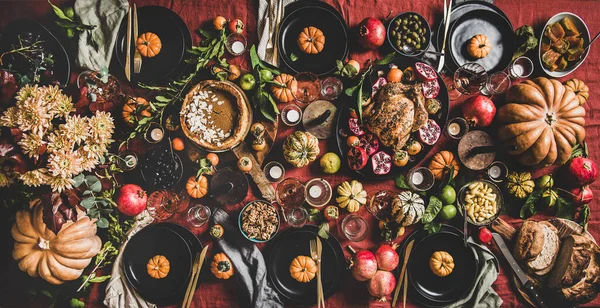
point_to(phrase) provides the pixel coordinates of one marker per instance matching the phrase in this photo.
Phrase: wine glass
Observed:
(308, 90)
(470, 78)
(162, 204)
(290, 194)
(453, 93)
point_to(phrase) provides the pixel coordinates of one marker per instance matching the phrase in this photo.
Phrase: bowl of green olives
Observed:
(409, 34)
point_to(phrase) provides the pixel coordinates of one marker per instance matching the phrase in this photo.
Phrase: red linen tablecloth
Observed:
(352, 294)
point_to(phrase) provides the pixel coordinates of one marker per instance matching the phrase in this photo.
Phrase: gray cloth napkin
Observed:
(249, 263)
(119, 294)
(263, 26)
(106, 15)
(482, 295)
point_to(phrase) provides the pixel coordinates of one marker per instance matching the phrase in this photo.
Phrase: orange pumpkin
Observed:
(158, 267)
(197, 187)
(579, 88)
(303, 269)
(442, 163)
(135, 109)
(284, 93)
(148, 44)
(221, 266)
(479, 46)
(311, 40)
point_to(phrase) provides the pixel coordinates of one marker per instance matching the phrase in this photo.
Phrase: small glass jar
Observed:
(521, 67)
(420, 179)
(198, 215)
(291, 115)
(331, 88)
(297, 217)
(355, 228)
(274, 171)
(318, 192)
(236, 44)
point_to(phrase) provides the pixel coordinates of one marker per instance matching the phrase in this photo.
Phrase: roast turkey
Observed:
(397, 110)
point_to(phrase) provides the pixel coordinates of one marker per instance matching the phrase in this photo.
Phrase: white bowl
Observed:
(586, 37)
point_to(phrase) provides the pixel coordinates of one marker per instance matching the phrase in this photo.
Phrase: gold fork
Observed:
(137, 57)
(315, 256)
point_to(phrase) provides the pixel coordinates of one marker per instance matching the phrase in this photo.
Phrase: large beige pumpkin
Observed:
(54, 257)
(543, 120)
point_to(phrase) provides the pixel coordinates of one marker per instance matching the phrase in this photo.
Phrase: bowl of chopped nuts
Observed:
(259, 221)
(482, 202)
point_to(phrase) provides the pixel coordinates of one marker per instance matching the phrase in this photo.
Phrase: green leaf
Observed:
(102, 160)
(76, 303)
(162, 99)
(432, 210)
(207, 35)
(66, 24)
(293, 57)
(88, 202)
(46, 293)
(585, 216)
(96, 187)
(586, 152)
(254, 59)
(58, 12)
(339, 64)
(387, 59)
(79, 179)
(99, 279)
(102, 223)
(324, 230)
(359, 102)
(432, 227)
(400, 182)
(350, 91)
(528, 208)
(564, 209)
(87, 192)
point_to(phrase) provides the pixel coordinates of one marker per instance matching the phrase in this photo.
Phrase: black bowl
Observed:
(417, 52)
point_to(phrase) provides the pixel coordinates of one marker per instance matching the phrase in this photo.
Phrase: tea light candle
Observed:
(275, 172)
(495, 171)
(315, 191)
(454, 129)
(292, 116)
(156, 134)
(518, 70)
(237, 47)
(417, 178)
(130, 161)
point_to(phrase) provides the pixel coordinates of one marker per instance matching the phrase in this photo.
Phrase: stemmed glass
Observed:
(308, 90)
(468, 79)
(497, 83)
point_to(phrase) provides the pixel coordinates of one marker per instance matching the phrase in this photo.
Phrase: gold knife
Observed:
(195, 282)
(319, 278)
(128, 48)
(400, 279)
(137, 57)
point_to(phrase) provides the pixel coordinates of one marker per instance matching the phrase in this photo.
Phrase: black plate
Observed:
(159, 239)
(344, 114)
(442, 289)
(292, 243)
(458, 11)
(175, 38)
(62, 65)
(327, 19)
(498, 30)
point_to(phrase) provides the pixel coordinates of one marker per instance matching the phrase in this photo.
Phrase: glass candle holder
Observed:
(521, 67)
(318, 192)
(420, 179)
(497, 171)
(457, 128)
(291, 115)
(236, 44)
(155, 133)
(274, 171)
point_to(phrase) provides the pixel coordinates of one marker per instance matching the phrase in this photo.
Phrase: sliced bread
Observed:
(544, 262)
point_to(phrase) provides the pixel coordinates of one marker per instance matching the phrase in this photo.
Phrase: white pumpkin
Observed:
(408, 208)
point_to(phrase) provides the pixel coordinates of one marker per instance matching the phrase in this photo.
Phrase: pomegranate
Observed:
(8, 86)
(369, 142)
(371, 33)
(479, 111)
(387, 257)
(581, 195)
(355, 127)
(363, 264)
(381, 163)
(131, 200)
(430, 132)
(581, 171)
(357, 158)
(485, 235)
(381, 285)
(431, 88)
(236, 26)
(425, 72)
(379, 83)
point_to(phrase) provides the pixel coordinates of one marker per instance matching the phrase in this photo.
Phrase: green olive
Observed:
(418, 46)
(404, 21)
(397, 21)
(408, 40)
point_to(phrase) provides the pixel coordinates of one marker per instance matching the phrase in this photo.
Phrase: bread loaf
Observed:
(537, 246)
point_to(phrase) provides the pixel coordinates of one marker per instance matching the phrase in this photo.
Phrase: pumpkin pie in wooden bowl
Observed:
(216, 115)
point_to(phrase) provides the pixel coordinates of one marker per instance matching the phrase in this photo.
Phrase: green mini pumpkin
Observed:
(301, 148)
(407, 208)
(520, 184)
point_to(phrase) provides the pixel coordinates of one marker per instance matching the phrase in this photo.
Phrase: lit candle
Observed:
(237, 47)
(495, 171)
(454, 129)
(156, 134)
(315, 191)
(417, 178)
(518, 70)
(275, 172)
(292, 116)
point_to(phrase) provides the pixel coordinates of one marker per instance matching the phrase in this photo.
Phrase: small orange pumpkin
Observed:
(284, 93)
(197, 187)
(148, 44)
(579, 88)
(311, 40)
(158, 267)
(441, 263)
(442, 163)
(135, 109)
(303, 269)
(221, 266)
(479, 46)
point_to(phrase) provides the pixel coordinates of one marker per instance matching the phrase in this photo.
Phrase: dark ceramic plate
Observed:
(292, 243)
(9, 36)
(442, 289)
(344, 115)
(493, 25)
(175, 38)
(161, 239)
(327, 19)
(458, 11)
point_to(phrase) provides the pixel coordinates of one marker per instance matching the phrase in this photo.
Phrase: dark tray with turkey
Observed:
(403, 119)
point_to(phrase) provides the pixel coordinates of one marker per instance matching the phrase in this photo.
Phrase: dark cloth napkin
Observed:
(249, 263)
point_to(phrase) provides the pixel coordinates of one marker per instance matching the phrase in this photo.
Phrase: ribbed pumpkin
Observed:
(301, 148)
(543, 120)
(442, 163)
(407, 208)
(580, 89)
(158, 267)
(284, 93)
(303, 269)
(135, 109)
(311, 40)
(520, 184)
(56, 258)
(441, 263)
(351, 195)
(148, 44)
(197, 187)
(221, 266)
(479, 46)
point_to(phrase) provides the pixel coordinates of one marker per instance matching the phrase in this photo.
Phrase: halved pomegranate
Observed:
(357, 158)
(430, 132)
(425, 72)
(431, 88)
(355, 127)
(381, 162)
(369, 142)
(379, 83)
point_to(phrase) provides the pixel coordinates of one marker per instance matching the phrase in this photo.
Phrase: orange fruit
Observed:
(213, 158)
(352, 141)
(178, 144)
(394, 75)
(219, 22)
